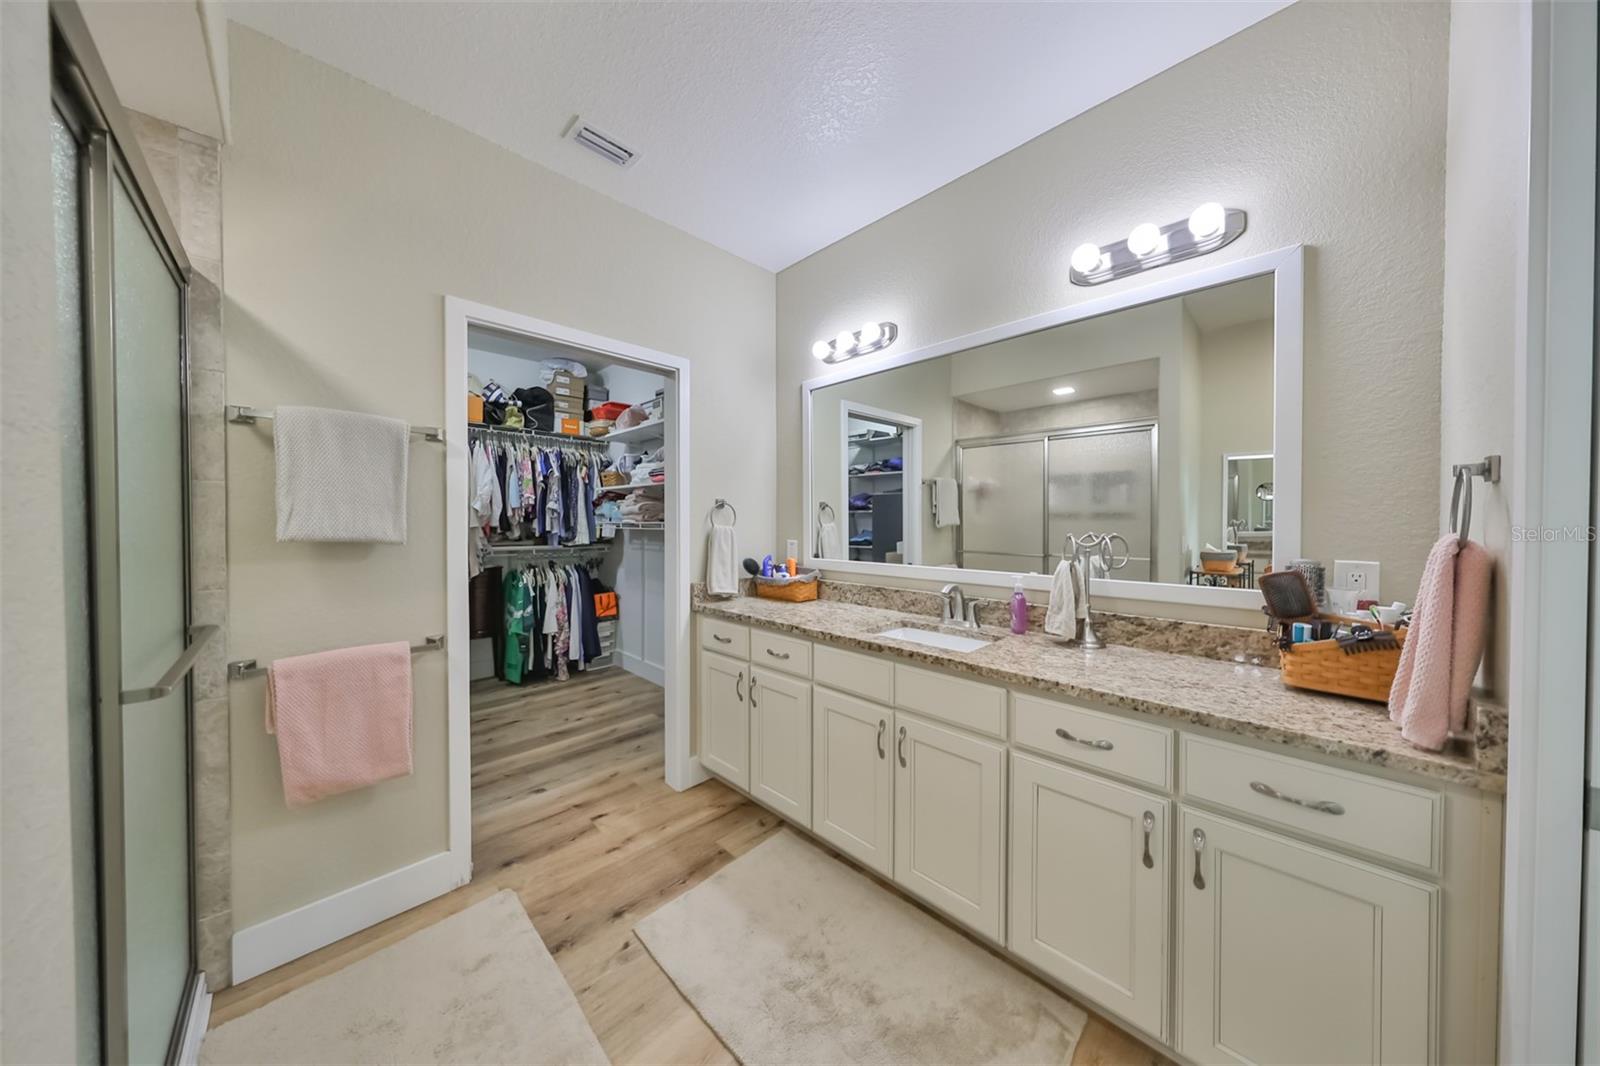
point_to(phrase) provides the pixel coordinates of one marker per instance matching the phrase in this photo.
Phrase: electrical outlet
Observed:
(1357, 576)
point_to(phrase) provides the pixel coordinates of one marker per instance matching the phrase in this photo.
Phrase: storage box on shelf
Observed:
(1226, 901)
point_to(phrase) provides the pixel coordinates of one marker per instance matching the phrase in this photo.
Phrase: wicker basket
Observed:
(802, 588)
(1321, 665)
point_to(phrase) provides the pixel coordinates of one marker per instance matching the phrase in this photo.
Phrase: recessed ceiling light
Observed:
(1064, 390)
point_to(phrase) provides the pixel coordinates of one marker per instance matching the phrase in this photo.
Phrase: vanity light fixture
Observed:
(872, 337)
(1063, 390)
(1209, 227)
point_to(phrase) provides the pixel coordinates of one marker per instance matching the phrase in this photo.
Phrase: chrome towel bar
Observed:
(250, 668)
(249, 416)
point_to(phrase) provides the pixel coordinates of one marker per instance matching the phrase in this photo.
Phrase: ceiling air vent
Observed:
(602, 145)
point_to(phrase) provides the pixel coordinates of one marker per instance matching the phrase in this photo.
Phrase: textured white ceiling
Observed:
(768, 129)
(1089, 385)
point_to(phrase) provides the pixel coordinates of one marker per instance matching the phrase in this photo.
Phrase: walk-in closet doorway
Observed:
(464, 321)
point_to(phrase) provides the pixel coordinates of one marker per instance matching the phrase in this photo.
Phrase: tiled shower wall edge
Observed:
(186, 169)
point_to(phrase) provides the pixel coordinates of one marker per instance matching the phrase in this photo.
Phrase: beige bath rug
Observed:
(478, 986)
(791, 956)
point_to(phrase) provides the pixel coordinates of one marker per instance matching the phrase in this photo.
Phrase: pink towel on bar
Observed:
(1448, 626)
(343, 719)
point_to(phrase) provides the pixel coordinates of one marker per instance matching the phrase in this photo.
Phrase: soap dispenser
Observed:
(1019, 609)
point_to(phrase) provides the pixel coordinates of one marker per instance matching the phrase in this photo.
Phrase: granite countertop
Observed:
(1229, 697)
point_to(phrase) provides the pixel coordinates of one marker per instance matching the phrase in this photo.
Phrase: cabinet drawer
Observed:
(1386, 818)
(729, 638)
(1093, 738)
(848, 671)
(777, 652)
(969, 704)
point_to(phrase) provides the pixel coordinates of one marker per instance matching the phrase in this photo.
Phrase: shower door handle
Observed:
(198, 637)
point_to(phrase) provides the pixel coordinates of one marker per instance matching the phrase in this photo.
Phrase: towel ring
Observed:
(1461, 494)
(720, 505)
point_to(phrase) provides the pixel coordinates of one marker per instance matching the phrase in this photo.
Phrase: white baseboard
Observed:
(272, 943)
(651, 672)
(194, 1027)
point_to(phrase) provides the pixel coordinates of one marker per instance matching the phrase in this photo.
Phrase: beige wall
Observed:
(1235, 409)
(1325, 122)
(1485, 190)
(48, 1000)
(348, 217)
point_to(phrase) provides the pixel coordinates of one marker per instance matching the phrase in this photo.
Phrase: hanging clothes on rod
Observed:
(531, 488)
(551, 625)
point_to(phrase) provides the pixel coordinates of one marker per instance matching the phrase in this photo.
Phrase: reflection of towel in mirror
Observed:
(828, 542)
(946, 505)
(722, 567)
(1068, 604)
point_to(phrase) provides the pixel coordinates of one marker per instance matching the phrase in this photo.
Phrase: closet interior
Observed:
(875, 456)
(566, 485)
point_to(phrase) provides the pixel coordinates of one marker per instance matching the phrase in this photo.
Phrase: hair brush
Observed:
(1288, 596)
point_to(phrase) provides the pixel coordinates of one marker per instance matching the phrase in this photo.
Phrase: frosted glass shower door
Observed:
(1104, 481)
(142, 612)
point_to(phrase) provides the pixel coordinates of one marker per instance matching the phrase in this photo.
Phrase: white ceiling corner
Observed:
(158, 54)
(768, 129)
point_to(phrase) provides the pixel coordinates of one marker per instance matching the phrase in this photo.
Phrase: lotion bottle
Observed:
(1019, 609)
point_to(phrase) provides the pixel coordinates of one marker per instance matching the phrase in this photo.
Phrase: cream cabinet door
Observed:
(780, 744)
(949, 822)
(725, 718)
(852, 779)
(1289, 953)
(1090, 886)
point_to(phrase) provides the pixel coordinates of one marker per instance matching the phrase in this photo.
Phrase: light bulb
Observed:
(1207, 221)
(1064, 390)
(1085, 258)
(871, 334)
(842, 344)
(820, 350)
(1145, 239)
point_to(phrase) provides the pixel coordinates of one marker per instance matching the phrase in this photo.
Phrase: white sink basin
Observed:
(946, 641)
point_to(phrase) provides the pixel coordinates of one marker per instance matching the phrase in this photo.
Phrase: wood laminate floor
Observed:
(571, 812)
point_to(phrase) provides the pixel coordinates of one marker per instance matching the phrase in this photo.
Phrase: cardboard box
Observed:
(568, 407)
(571, 427)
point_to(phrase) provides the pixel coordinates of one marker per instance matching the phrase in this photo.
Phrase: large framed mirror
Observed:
(976, 458)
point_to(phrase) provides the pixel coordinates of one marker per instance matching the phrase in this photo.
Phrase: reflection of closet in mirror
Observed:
(874, 453)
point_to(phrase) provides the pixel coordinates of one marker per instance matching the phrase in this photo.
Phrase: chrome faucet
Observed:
(957, 611)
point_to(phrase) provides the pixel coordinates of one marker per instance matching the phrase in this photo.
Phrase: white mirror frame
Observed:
(1287, 267)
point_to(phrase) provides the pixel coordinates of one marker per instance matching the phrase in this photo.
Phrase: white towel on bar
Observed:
(946, 502)
(722, 566)
(829, 543)
(341, 476)
(1068, 604)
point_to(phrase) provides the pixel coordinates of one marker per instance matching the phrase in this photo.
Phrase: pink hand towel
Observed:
(342, 718)
(1449, 623)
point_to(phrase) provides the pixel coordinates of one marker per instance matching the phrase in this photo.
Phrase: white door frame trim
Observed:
(1550, 479)
(683, 770)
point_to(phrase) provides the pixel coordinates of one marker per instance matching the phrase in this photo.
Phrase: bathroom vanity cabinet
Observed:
(1230, 902)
